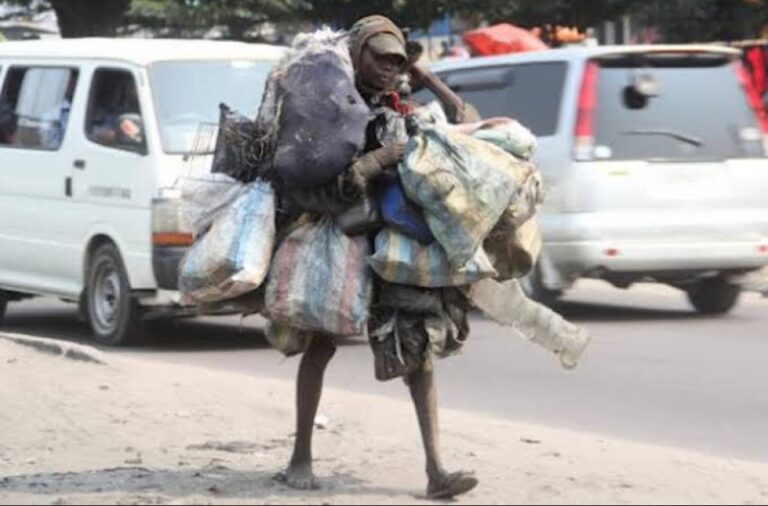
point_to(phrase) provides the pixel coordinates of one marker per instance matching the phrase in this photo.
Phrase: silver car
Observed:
(654, 159)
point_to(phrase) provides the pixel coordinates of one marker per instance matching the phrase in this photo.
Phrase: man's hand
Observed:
(416, 72)
(373, 164)
(389, 156)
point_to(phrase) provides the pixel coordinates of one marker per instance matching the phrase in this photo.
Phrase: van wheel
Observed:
(714, 296)
(115, 318)
(3, 307)
(534, 288)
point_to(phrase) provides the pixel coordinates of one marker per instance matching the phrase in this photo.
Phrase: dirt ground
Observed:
(77, 428)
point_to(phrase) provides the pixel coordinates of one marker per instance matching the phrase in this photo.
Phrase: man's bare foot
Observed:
(448, 486)
(298, 476)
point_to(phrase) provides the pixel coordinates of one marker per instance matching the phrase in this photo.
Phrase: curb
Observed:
(69, 351)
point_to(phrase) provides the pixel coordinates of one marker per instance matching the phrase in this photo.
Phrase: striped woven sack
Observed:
(399, 259)
(320, 281)
(232, 258)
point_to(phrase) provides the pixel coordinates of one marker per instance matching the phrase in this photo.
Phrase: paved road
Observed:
(657, 372)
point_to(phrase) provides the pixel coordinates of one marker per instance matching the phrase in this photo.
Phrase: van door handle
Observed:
(80, 164)
(68, 187)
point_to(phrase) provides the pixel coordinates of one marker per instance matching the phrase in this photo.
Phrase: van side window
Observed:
(114, 116)
(35, 106)
(530, 92)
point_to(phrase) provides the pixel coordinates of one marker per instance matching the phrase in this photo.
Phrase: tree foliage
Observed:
(704, 20)
(194, 16)
(342, 13)
(678, 20)
(85, 18)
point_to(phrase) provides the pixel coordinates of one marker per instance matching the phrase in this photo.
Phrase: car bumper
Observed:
(657, 256)
(165, 262)
(581, 244)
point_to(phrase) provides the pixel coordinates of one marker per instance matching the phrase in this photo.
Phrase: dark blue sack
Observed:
(403, 215)
(322, 122)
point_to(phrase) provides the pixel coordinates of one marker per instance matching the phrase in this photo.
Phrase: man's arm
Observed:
(456, 109)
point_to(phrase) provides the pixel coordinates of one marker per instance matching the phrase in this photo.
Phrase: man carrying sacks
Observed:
(385, 220)
(378, 53)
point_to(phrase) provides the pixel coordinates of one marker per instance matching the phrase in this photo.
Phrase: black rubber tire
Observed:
(534, 288)
(714, 296)
(114, 316)
(3, 307)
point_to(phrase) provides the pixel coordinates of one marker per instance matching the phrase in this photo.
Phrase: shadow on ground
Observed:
(589, 312)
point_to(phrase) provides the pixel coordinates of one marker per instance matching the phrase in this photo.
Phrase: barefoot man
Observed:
(380, 56)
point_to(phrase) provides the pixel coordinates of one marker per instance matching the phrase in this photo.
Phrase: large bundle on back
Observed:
(321, 116)
(458, 213)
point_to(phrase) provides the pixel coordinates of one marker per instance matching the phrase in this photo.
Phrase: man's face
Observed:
(380, 71)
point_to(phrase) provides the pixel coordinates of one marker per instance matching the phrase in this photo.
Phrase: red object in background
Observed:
(753, 97)
(502, 39)
(756, 60)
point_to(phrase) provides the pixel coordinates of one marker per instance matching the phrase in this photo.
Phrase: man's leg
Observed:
(309, 388)
(442, 485)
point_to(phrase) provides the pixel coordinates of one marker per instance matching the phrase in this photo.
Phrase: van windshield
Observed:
(674, 107)
(187, 97)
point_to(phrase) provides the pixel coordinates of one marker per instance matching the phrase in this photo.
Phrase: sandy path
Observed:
(128, 432)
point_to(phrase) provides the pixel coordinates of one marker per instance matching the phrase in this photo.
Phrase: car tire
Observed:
(715, 296)
(3, 307)
(114, 316)
(533, 286)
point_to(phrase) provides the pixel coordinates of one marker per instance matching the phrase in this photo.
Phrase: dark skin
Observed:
(377, 72)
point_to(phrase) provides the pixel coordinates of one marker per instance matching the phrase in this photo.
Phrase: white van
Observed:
(93, 135)
(654, 158)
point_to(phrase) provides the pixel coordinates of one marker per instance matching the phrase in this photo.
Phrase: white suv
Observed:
(654, 158)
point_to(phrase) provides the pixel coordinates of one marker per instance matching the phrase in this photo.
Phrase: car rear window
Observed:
(531, 93)
(696, 109)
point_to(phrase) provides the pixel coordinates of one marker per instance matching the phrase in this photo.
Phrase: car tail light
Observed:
(170, 239)
(585, 117)
(755, 102)
(167, 224)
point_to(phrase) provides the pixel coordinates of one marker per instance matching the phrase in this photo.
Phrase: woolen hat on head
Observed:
(381, 34)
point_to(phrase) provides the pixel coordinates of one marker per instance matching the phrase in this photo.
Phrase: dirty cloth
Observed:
(320, 280)
(462, 185)
(513, 250)
(399, 342)
(409, 324)
(508, 305)
(506, 133)
(233, 256)
(400, 259)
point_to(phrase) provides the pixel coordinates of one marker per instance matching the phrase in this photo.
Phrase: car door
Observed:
(113, 178)
(36, 215)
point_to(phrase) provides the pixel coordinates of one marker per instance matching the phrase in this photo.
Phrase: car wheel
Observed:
(714, 296)
(533, 286)
(3, 307)
(115, 318)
